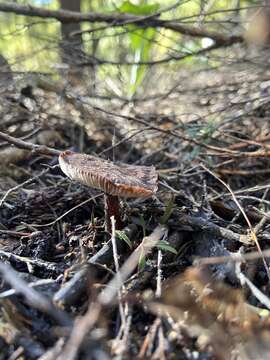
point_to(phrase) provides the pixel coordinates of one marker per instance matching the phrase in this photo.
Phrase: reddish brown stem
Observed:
(112, 208)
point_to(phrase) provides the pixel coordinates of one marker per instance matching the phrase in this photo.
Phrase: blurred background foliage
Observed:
(32, 44)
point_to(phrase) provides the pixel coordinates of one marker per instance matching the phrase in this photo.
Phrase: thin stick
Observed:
(80, 330)
(118, 275)
(255, 291)
(65, 213)
(28, 181)
(252, 232)
(232, 258)
(159, 274)
(38, 283)
(39, 149)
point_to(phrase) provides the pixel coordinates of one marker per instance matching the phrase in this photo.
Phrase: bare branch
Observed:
(115, 19)
(40, 149)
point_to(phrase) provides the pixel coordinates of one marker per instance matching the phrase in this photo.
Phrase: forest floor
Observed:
(190, 276)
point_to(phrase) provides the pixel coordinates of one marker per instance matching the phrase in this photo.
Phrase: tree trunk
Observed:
(71, 46)
(6, 76)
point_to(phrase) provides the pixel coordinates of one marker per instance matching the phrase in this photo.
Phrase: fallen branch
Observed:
(201, 224)
(32, 297)
(39, 263)
(73, 290)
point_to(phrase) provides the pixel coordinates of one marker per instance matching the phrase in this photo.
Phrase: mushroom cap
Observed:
(120, 180)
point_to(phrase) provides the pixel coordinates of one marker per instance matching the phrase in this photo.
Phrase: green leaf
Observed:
(168, 211)
(141, 44)
(142, 261)
(141, 9)
(141, 41)
(143, 224)
(123, 236)
(164, 245)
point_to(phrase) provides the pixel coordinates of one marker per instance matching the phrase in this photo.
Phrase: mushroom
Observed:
(123, 180)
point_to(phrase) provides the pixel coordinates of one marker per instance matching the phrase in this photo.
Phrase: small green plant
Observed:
(123, 236)
(143, 224)
(165, 246)
(202, 132)
(142, 261)
(161, 245)
(168, 211)
(141, 41)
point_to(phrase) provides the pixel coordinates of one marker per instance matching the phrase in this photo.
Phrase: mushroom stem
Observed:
(112, 208)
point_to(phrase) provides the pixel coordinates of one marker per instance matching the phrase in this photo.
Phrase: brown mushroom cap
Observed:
(118, 180)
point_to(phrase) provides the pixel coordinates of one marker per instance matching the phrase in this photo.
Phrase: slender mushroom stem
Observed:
(112, 208)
